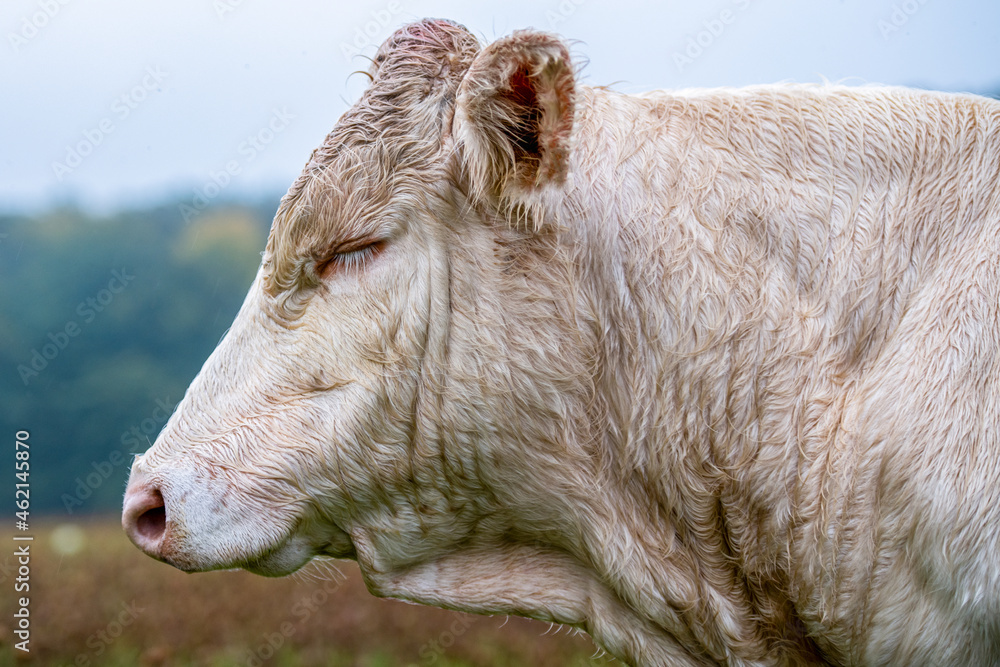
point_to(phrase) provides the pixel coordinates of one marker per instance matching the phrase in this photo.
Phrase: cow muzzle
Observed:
(195, 519)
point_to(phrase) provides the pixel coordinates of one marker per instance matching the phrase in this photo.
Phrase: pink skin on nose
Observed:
(144, 516)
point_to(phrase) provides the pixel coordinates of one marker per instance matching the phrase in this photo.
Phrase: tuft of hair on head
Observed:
(423, 62)
(514, 117)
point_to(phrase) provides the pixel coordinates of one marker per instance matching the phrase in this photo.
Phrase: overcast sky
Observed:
(111, 103)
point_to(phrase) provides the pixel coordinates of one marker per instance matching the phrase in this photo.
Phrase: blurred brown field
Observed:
(96, 600)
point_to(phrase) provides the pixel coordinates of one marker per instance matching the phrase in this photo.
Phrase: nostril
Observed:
(152, 522)
(144, 516)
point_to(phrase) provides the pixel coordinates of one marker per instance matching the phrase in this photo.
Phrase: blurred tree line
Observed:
(105, 321)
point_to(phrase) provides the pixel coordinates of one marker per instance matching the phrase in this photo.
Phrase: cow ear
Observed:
(514, 115)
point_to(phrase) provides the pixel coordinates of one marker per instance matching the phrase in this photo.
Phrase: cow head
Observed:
(399, 377)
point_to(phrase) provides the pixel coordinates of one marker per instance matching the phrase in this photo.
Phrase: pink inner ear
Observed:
(525, 100)
(522, 93)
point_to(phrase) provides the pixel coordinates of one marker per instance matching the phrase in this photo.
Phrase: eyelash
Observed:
(351, 260)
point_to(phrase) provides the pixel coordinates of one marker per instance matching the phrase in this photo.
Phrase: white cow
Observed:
(712, 375)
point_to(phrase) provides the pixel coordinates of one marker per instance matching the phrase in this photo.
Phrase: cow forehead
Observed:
(390, 138)
(343, 199)
(329, 202)
(388, 142)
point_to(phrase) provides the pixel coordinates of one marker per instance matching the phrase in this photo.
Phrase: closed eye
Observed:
(350, 257)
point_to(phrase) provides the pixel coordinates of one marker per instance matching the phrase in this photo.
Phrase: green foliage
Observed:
(104, 322)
